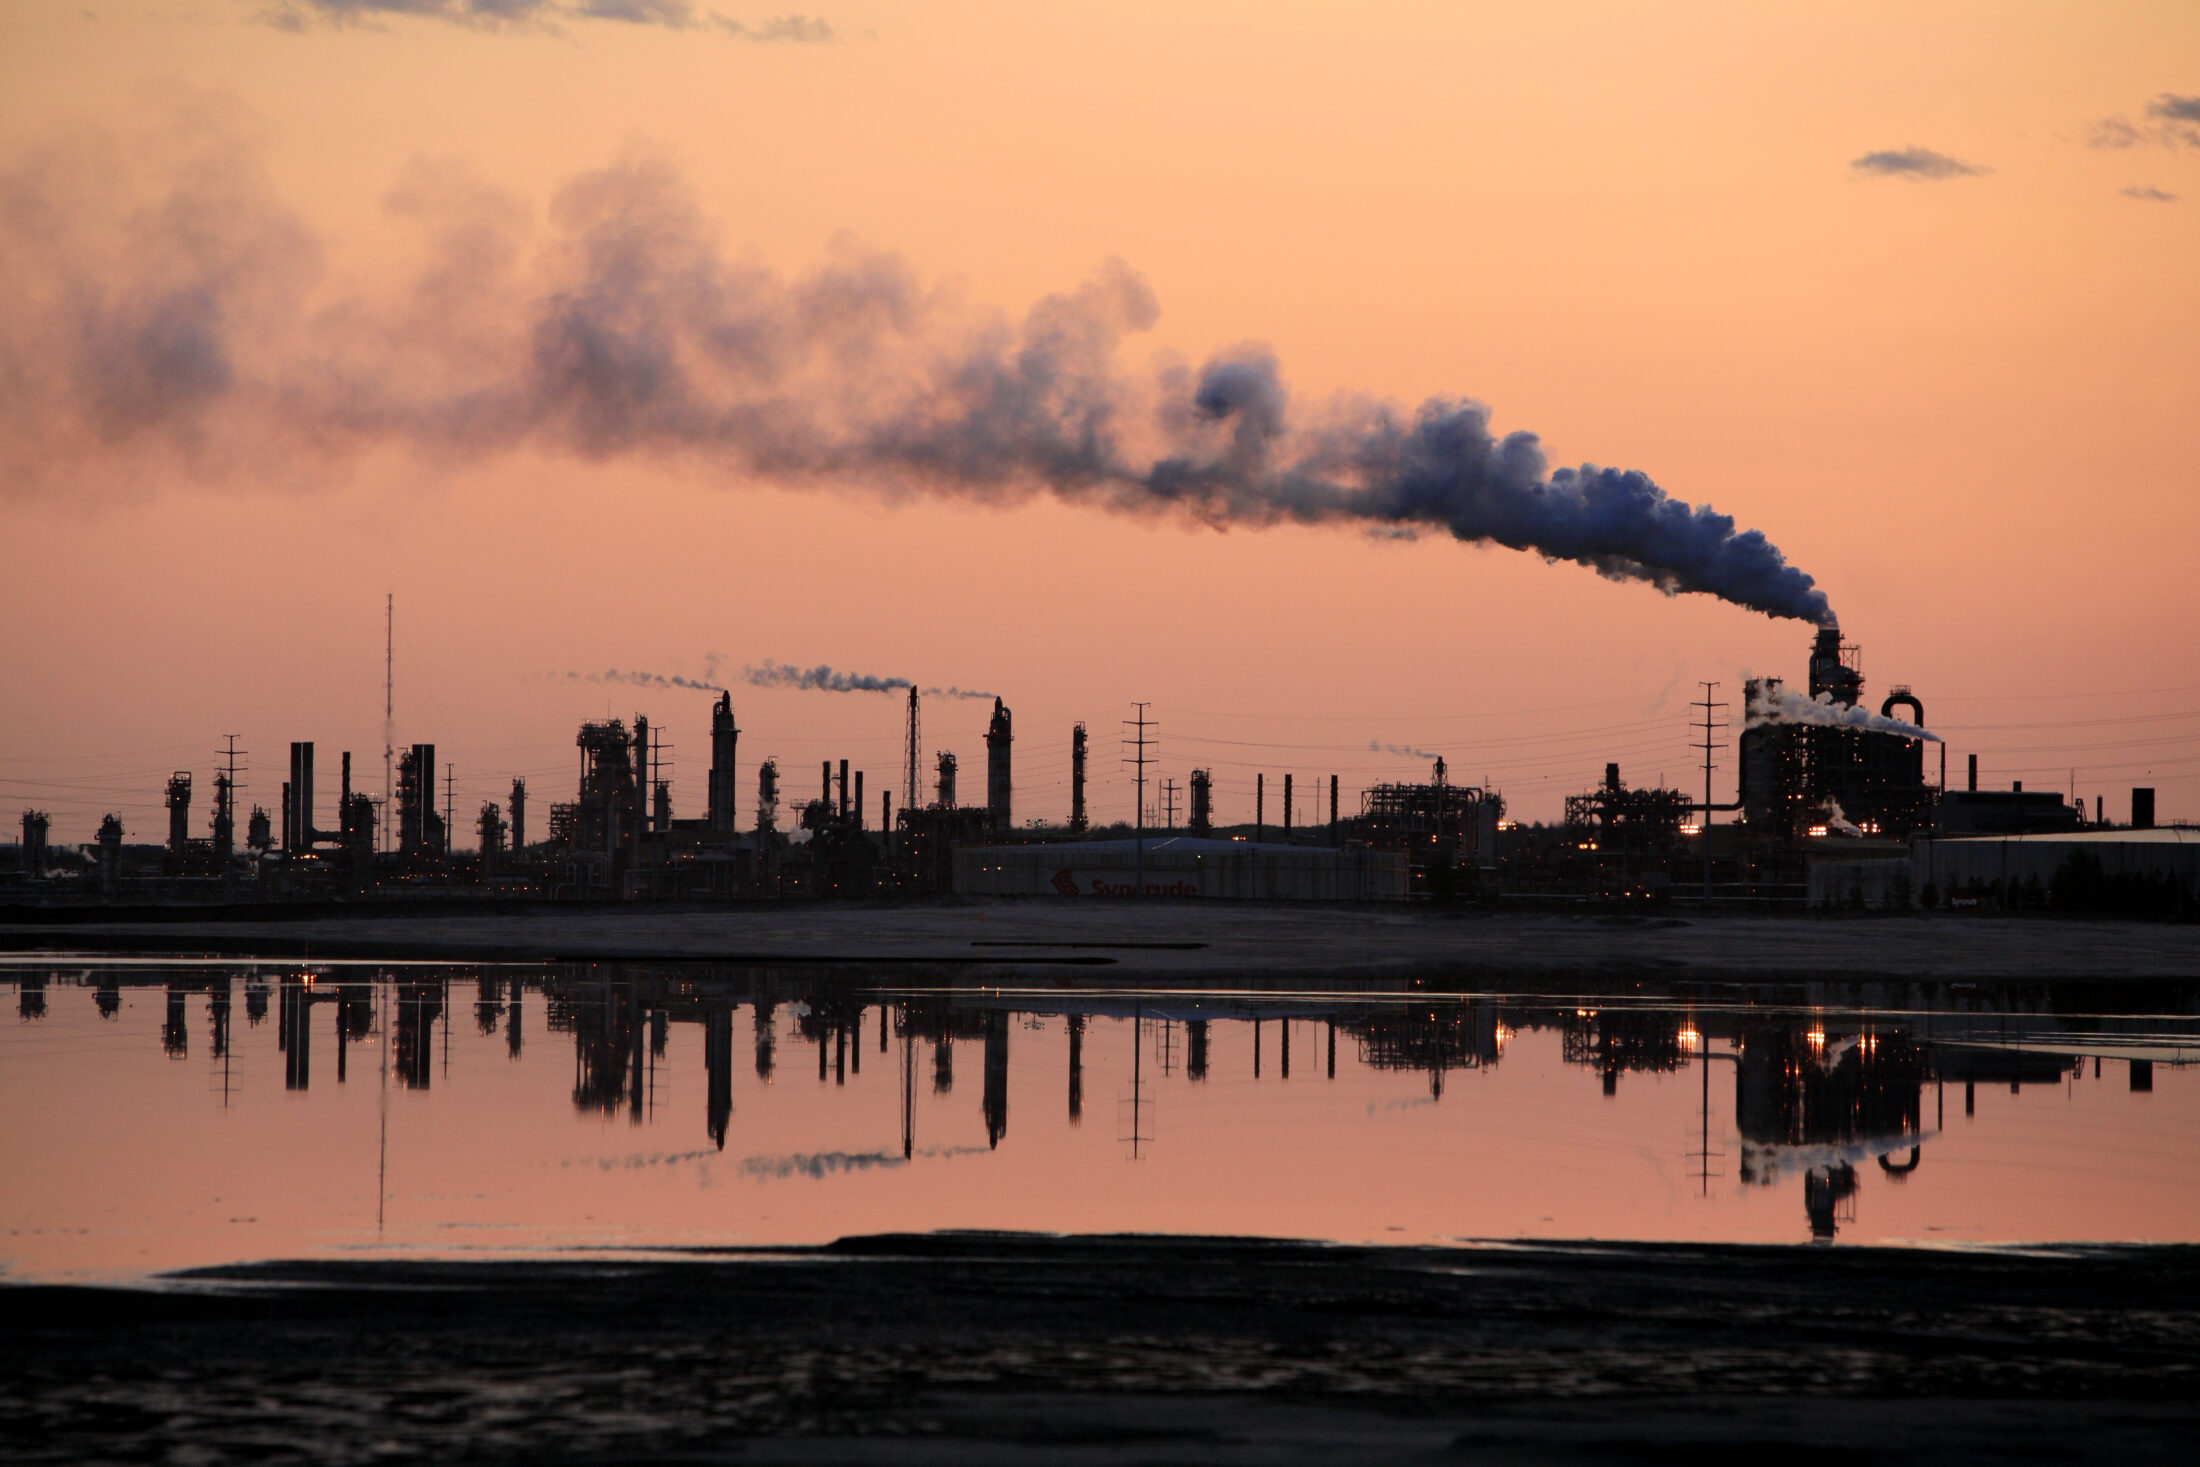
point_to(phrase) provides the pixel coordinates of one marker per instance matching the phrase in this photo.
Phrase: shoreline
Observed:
(1189, 943)
(976, 1346)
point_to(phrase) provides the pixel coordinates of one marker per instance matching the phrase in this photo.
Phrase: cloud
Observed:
(1915, 163)
(299, 15)
(2170, 121)
(171, 321)
(799, 29)
(2149, 194)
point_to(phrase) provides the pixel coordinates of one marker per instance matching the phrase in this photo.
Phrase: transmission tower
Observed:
(1706, 728)
(1139, 759)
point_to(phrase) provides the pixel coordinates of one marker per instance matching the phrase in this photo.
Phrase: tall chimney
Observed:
(999, 788)
(724, 739)
(1973, 785)
(2142, 809)
(298, 828)
(1077, 822)
(1287, 804)
(519, 816)
(844, 789)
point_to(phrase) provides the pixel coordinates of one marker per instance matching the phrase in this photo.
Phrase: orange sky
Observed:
(1962, 403)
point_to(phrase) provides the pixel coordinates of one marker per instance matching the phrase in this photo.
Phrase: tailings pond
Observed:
(164, 1114)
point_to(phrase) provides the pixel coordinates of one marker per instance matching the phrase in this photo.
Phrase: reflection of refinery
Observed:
(1835, 804)
(1824, 1101)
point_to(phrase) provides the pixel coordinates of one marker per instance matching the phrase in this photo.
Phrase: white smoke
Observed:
(1838, 822)
(1771, 703)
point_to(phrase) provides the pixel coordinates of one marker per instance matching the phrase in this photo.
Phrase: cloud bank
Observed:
(170, 319)
(1921, 163)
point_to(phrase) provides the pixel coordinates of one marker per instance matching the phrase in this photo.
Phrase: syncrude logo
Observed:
(1065, 882)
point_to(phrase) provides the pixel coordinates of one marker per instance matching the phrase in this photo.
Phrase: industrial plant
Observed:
(1835, 805)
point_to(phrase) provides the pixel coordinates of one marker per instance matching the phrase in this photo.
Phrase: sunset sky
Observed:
(309, 301)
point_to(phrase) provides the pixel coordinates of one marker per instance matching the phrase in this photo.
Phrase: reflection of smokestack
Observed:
(996, 1077)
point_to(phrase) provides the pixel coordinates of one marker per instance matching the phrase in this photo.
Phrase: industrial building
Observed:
(1834, 806)
(1184, 866)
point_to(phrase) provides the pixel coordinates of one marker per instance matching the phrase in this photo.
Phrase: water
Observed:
(161, 1115)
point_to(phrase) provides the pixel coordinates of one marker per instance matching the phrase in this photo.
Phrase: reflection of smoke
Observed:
(1405, 749)
(167, 312)
(818, 1165)
(1770, 704)
(823, 679)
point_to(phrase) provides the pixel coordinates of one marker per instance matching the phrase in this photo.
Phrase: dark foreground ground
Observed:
(981, 1348)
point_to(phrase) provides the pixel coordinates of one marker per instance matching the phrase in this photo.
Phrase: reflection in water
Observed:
(1826, 1096)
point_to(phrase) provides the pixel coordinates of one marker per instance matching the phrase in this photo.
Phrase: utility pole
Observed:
(1168, 800)
(1139, 760)
(450, 805)
(1703, 829)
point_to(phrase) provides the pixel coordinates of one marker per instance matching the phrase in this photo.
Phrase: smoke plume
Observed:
(645, 680)
(1405, 749)
(823, 679)
(1770, 703)
(169, 317)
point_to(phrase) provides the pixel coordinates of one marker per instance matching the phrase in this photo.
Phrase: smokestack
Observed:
(724, 739)
(844, 789)
(179, 814)
(1260, 804)
(857, 809)
(999, 787)
(825, 797)
(298, 829)
(912, 751)
(1972, 786)
(2142, 809)
(946, 775)
(519, 816)
(1077, 822)
(1203, 801)
(1287, 804)
(1611, 779)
